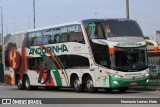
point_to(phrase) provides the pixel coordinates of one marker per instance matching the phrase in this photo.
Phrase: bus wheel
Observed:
(89, 85)
(77, 86)
(20, 83)
(27, 83)
(122, 89)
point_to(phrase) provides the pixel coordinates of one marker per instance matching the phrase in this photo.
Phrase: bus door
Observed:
(103, 77)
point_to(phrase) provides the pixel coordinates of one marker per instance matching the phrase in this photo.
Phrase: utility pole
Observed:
(1, 25)
(2, 54)
(95, 13)
(29, 17)
(127, 9)
(13, 26)
(34, 19)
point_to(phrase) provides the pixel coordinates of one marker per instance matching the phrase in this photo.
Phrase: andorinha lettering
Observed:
(129, 44)
(53, 49)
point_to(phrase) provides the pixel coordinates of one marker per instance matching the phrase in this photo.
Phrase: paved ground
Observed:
(13, 92)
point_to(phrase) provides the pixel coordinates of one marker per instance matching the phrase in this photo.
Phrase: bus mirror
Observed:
(111, 50)
(155, 45)
(156, 49)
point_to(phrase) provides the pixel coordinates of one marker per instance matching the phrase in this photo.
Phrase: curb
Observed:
(4, 84)
(146, 88)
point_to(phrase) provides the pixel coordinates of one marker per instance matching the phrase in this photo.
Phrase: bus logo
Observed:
(53, 49)
(6, 101)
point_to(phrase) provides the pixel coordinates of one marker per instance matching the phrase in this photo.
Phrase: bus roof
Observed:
(97, 20)
(68, 23)
(47, 27)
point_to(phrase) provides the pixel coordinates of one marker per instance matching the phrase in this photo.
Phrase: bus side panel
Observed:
(13, 57)
(104, 78)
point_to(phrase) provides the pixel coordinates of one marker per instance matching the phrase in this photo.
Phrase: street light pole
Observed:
(1, 25)
(34, 19)
(13, 26)
(127, 9)
(29, 17)
(2, 55)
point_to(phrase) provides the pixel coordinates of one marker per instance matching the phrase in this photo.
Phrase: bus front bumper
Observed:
(118, 82)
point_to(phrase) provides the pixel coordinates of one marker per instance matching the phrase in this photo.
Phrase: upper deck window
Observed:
(94, 30)
(63, 34)
(115, 28)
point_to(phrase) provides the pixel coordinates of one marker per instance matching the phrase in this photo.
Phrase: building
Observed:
(156, 37)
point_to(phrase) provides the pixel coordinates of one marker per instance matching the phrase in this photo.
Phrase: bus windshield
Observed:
(129, 59)
(116, 28)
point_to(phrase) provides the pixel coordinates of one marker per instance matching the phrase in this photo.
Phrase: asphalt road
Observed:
(13, 92)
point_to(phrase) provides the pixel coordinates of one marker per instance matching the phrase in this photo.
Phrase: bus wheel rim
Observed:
(27, 83)
(89, 84)
(76, 84)
(19, 83)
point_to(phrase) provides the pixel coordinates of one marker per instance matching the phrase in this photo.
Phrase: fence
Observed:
(154, 70)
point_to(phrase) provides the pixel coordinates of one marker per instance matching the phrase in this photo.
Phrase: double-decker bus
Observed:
(86, 55)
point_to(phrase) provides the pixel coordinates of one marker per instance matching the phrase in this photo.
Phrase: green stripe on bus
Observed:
(57, 77)
(61, 65)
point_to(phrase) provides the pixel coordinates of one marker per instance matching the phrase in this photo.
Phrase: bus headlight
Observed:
(146, 75)
(115, 82)
(147, 81)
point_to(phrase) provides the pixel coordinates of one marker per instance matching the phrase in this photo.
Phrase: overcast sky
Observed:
(49, 12)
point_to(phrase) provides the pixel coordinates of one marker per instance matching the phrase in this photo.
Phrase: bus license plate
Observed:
(133, 83)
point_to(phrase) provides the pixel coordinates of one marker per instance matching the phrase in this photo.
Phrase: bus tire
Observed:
(20, 83)
(89, 85)
(27, 83)
(122, 89)
(77, 86)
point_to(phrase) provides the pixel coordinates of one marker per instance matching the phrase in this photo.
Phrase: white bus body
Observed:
(86, 55)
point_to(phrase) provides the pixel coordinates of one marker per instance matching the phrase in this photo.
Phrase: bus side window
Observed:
(63, 59)
(64, 37)
(45, 39)
(51, 39)
(57, 38)
(76, 36)
(75, 61)
(38, 40)
(33, 41)
(32, 63)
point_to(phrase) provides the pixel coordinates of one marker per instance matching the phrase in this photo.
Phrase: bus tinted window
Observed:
(115, 28)
(74, 61)
(39, 63)
(70, 33)
(64, 37)
(67, 61)
(101, 54)
(94, 30)
(76, 35)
